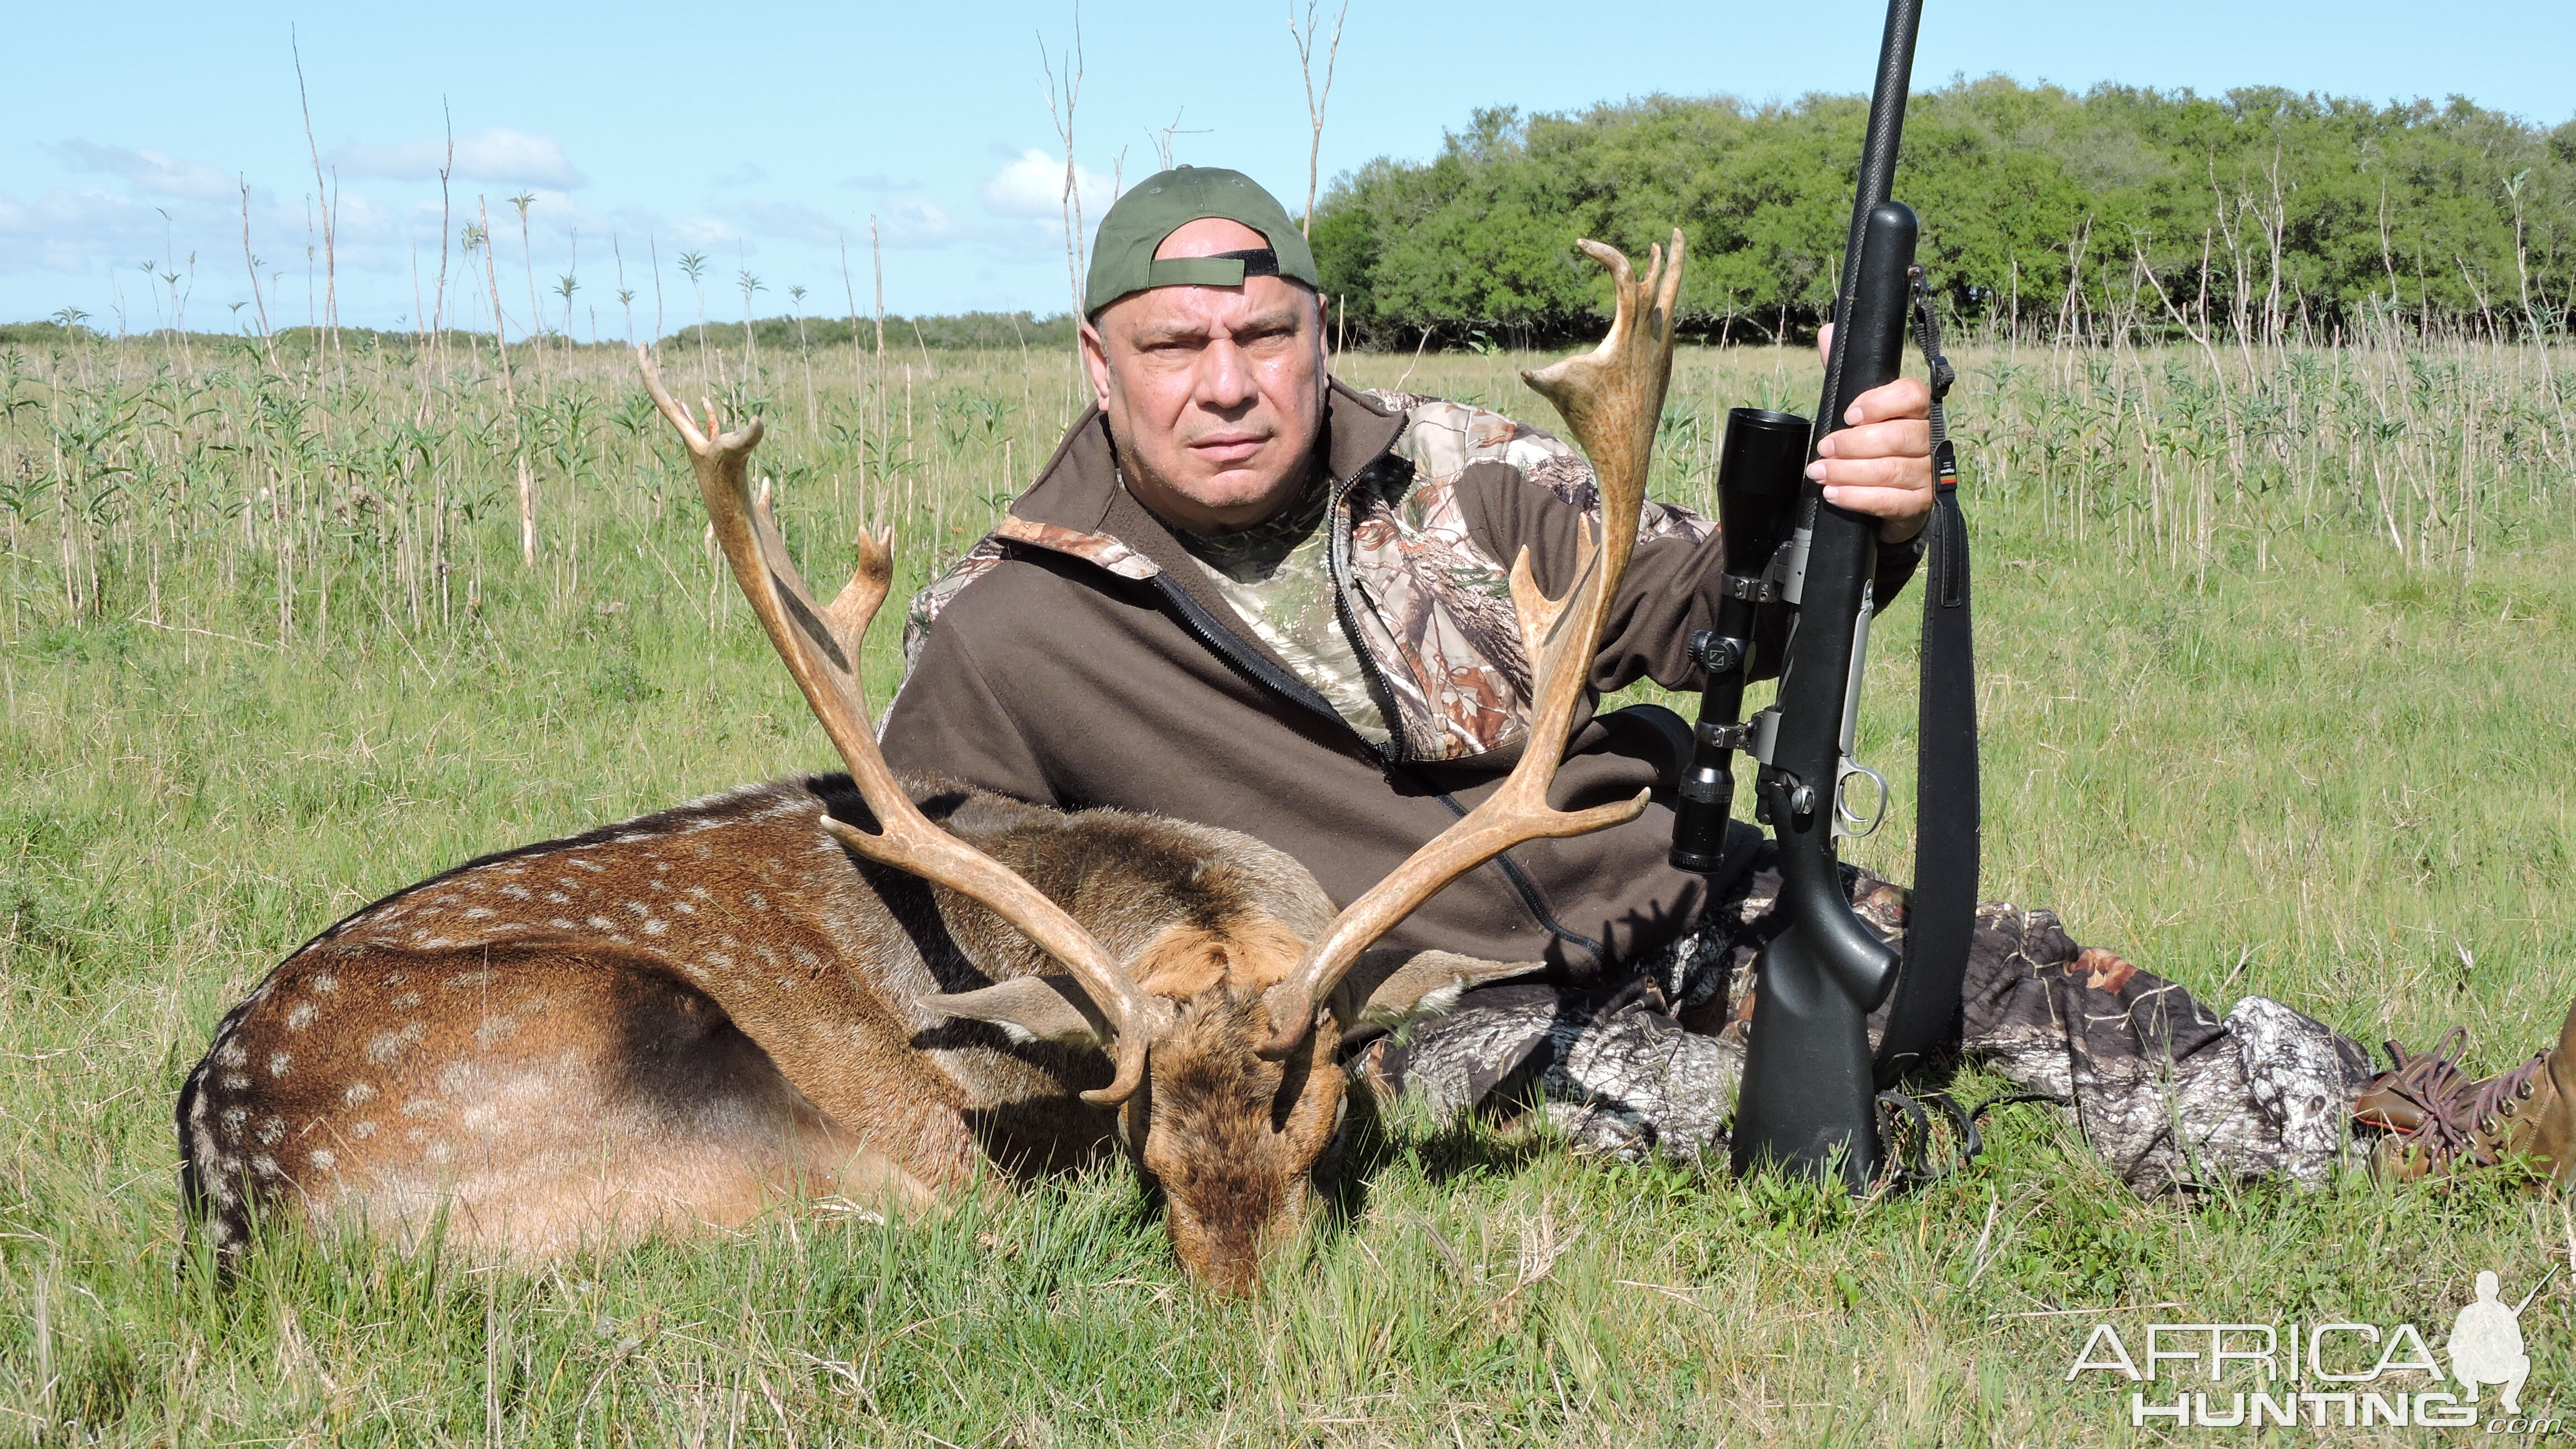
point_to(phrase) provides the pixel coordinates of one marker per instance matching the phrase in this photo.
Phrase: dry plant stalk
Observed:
(510, 392)
(1315, 100)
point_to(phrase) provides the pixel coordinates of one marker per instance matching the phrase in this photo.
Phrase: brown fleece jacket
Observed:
(1080, 658)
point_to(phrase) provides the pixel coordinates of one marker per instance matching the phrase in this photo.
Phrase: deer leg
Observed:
(539, 1104)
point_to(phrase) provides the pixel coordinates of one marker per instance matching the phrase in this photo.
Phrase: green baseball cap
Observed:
(1122, 254)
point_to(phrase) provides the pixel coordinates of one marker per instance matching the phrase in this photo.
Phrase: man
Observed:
(1243, 594)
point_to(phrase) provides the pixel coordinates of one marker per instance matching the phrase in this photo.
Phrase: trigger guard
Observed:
(1848, 823)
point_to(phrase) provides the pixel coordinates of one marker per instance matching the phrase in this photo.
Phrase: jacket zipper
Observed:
(1337, 567)
(1338, 557)
(1218, 638)
(1531, 899)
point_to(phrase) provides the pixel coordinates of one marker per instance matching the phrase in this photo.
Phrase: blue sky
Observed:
(761, 135)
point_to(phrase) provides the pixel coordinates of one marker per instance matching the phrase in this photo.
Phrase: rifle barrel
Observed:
(1878, 148)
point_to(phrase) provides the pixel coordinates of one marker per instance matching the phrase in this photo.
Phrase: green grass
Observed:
(2233, 735)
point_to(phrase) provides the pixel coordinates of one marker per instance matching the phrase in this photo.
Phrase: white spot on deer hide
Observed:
(299, 1016)
(232, 1055)
(386, 1046)
(358, 1094)
(323, 1159)
(363, 1131)
(407, 1000)
(278, 1062)
(323, 983)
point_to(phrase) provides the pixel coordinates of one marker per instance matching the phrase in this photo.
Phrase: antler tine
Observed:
(821, 648)
(1612, 399)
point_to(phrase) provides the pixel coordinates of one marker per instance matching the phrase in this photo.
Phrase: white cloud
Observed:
(911, 222)
(67, 231)
(496, 153)
(155, 172)
(1033, 185)
(786, 219)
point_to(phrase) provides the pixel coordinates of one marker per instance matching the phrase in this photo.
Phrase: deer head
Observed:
(1223, 1031)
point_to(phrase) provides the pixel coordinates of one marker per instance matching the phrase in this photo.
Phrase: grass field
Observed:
(2277, 653)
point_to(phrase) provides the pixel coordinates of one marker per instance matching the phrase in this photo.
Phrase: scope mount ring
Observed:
(1850, 824)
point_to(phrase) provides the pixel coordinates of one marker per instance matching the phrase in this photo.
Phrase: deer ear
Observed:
(1031, 1008)
(1391, 987)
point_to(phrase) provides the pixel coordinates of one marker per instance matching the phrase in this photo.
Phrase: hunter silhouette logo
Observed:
(2323, 1373)
(2486, 1343)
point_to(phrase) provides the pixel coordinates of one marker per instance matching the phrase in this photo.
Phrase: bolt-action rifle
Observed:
(1801, 567)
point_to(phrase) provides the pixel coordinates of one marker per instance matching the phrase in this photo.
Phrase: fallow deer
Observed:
(871, 987)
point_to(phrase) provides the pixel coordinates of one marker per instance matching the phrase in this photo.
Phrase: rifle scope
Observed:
(1758, 482)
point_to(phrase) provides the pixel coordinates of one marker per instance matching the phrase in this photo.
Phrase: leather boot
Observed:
(2529, 1112)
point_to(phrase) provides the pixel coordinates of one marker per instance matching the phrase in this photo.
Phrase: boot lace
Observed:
(2461, 1109)
(2426, 1080)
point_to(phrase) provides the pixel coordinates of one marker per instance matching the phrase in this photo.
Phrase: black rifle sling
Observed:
(1923, 1013)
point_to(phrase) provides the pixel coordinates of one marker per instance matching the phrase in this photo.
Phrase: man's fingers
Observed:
(1899, 438)
(1908, 475)
(1904, 398)
(1901, 512)
(1876, 502)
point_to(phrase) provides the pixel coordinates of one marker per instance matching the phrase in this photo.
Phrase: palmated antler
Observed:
(1611, 398)
(821, 647)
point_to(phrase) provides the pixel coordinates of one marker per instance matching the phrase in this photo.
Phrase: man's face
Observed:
(1214, 394)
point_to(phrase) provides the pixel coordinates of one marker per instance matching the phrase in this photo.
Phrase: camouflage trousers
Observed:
(2169, 1093)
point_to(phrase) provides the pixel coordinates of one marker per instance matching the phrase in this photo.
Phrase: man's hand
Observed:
(1880, 462)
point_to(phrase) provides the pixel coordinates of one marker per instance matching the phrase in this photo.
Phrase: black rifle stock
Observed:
(1807, 1103)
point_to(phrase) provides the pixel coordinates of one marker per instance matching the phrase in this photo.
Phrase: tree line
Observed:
(2262, 213)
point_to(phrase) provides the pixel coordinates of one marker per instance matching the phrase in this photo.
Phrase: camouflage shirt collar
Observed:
(1253, 554)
